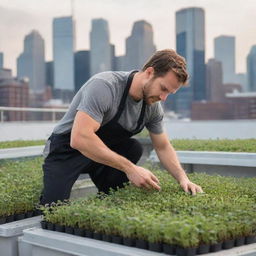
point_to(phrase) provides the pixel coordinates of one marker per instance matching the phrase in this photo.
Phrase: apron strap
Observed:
(141, 116)
(126, 91)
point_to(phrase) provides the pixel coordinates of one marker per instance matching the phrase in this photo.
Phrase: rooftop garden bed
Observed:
(20, 188)
(238, 145)
(20, 143)
(170, 220)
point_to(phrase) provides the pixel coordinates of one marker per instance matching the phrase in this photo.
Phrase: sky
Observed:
(222, 17)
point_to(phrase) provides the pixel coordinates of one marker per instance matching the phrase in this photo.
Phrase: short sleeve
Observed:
(96, 99)
(155, 120)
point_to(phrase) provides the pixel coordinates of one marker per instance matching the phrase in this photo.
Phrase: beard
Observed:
(147, 96)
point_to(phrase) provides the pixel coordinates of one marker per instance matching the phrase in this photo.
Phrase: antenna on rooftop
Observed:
(72, 8)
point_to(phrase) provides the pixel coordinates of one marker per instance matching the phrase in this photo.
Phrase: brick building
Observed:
(244, 104)
(238, 105)
(14, 93)
(211, 111)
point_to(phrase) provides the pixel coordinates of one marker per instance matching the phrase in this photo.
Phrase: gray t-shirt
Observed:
(100, 97)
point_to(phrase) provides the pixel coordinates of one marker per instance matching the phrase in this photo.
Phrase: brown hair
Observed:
(168, 60)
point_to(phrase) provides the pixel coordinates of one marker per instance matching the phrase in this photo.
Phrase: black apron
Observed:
(112, 133)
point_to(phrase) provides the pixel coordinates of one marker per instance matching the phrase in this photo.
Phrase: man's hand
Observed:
(190, 187)
(142, 177)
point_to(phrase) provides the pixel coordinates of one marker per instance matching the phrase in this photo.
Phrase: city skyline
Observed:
(220, 20)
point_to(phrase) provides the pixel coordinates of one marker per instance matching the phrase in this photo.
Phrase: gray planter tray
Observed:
(39, 242)
(10, 232)
(222, 163)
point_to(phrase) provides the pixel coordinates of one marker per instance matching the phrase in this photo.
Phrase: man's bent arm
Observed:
(168, 156)
(85, 140)
(170, 161)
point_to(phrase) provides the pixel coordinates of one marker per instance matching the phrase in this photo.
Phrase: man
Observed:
(95, 134)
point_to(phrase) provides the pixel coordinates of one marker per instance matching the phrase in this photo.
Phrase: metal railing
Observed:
(54, 111)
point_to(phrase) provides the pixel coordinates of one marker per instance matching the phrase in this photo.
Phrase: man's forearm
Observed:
(93, 147)
(170, 161)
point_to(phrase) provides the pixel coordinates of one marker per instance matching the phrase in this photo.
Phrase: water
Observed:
(176, 129)
(223, 129)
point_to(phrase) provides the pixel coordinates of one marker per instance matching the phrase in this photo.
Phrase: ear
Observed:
(150, 72)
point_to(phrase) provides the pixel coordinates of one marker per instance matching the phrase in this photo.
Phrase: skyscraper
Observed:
(120, 63)
(113, 56)
(82, 68)
(251, 69)
(63, 53)
(241, 78)
(214, 86)
(49, 73)
(224, 51)
(139, 45)
(190, 43)
(1, 60)
(31, 63)
(101, 53)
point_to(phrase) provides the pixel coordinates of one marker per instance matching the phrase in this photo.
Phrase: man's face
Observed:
(158, 88)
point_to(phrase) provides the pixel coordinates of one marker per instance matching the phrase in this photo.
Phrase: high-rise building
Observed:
(82, 68)
(139, 45)
(63, 53)
(120, 63)
(113, 56)
(214, 85)
(100, 49)
(31, 63)
(190, 43)
(1, 60)
(49, 73)
(5, 73)
(224, 51)
(241, 79)
(251, 69)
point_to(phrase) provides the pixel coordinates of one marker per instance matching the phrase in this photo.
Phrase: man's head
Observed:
(165, 73)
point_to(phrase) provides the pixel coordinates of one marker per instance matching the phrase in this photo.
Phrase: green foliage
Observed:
(20, 185)
(225, 145)
(238, 145)
(226, 210)
(20, 143)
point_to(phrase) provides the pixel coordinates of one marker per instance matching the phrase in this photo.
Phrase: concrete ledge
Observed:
(218, 158)
(83, 188)
(9, 153)
(213, 158)
(51, 243)
(10, 232)
(16, 228)
(37, 242)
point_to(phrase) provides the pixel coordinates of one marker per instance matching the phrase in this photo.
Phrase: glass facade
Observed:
(251, 69)
(82, 68)
(100, 48)
(1, 60)
(190, 43)
(139, 46)
(31, 63)
(63, 53)
(224, 51)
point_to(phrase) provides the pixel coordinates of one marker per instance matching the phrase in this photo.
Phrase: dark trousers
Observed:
(63, 165)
